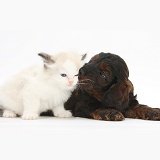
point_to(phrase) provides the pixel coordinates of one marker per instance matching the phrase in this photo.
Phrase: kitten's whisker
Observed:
(86, 80)
(81, 83)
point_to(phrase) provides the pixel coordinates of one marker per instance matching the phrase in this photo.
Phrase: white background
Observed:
(130, 29)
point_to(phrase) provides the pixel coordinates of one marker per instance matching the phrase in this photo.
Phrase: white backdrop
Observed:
(140, 50)
(127, 28)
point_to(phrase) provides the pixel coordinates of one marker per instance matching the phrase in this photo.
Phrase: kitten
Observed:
(38, 89)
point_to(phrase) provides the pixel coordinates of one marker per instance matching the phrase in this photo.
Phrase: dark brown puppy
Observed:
(106, 93)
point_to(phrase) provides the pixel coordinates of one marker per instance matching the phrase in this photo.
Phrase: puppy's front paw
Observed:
(143, 112)
(30, 116)
(9, 114)
(63, 114)
(108, 115)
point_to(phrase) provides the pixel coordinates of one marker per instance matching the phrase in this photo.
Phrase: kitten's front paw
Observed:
(30, 116)
(63, 114)
(9, 114)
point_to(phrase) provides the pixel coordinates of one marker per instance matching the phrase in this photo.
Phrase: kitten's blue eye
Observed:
(63, 75)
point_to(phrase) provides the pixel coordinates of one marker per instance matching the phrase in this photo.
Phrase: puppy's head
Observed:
(102, 71)
(103, 77)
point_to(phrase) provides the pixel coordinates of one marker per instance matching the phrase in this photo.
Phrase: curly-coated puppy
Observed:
(106, 93)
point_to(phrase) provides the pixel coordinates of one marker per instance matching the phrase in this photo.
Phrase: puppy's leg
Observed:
(143, 112)
(107, 115)
(47, 113)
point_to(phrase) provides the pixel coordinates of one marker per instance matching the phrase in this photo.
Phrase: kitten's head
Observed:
(63, 68)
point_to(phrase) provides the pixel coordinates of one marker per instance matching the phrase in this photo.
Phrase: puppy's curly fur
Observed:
(104, 92)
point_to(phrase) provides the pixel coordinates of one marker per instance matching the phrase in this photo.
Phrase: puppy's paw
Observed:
(9, 114)
(143, 112)
(108, 115)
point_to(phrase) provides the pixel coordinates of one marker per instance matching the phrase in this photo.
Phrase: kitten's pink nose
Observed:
(70, 82)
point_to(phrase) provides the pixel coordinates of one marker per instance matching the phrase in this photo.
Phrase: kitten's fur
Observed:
(38, 89)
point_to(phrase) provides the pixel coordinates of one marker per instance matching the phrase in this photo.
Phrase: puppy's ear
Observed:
(117, 96)
(46, 58)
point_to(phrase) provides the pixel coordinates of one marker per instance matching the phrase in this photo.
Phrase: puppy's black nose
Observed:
(81, 71)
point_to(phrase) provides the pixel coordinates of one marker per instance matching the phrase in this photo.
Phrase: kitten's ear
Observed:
(46, 58)
(84, 56)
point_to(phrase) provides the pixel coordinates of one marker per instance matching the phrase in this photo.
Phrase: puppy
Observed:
(104, 92)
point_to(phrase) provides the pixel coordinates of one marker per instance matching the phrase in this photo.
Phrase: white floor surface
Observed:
(78, 138)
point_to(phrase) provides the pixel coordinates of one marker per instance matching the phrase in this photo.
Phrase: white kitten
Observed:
(39, 89)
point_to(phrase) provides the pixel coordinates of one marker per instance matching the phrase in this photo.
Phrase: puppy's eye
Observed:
(76, 75)
(63, 75)
(102, 74)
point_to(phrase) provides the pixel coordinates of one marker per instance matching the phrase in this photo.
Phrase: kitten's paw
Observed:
(63, 114)
(30, 116)
(9, 114)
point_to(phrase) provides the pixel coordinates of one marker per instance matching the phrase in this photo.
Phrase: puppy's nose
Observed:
(81, 71)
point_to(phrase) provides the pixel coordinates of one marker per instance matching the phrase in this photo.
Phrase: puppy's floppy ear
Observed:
(117, 96)
(46, 58)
